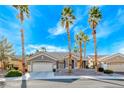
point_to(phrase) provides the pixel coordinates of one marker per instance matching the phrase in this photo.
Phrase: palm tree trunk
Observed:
(81, 63)
(3, 65)
(95, 49)
(84, 49)
(69, 48)
(23, 50)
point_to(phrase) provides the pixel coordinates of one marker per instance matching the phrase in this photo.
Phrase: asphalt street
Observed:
(65, 83)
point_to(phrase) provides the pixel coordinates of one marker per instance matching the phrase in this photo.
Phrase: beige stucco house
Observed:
(114, 62)
(47, 61)
(13, 61)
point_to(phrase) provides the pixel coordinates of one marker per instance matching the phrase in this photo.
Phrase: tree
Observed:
(79, 40)
(75, 49)
(67, 19)
(43, 49)
(23, 10)
(85, 40)
(6, 50)
(94, 19)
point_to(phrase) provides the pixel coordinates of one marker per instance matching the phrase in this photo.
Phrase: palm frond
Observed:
(95, 15)
(24, 10)
(67, 16)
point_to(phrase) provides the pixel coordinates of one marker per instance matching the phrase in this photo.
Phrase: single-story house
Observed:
(47, 61)
(114, 62)
(13, 61)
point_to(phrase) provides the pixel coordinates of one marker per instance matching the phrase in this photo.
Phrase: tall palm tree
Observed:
(85, 40)
(94, 18)
(79, 40)
(67, 19)
(23, 10)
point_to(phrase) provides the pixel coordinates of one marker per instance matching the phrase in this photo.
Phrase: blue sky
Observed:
(43, 28)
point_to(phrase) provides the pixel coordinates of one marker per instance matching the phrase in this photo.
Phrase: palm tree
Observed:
(79, 39)
(94, 18)
(6, 50)
(23, 10)
(75, 49)
(85, 40)
(67, 19)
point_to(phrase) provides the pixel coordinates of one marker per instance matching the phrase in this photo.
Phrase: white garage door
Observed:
(116, 67)
(40, 66)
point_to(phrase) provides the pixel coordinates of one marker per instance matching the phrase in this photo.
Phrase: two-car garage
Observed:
(42, 63)
(42, 66)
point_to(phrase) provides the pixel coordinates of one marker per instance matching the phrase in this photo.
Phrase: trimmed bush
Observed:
(13, 73)
(108, 71)
(100, 69)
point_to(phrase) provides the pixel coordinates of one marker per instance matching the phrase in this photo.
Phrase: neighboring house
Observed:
(47, 61)
(90, 59)
(13, 61)
(114, 62)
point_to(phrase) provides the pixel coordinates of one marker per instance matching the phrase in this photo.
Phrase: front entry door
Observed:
(72, 64)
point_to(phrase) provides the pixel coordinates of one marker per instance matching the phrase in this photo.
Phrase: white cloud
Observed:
(104, 30)
(49, 48)
(57, 30)
(121, 50)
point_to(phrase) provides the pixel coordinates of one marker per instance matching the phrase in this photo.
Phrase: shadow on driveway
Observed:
(62, 80)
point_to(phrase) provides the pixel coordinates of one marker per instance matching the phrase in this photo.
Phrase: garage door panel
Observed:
(117, 67)
(42, 66)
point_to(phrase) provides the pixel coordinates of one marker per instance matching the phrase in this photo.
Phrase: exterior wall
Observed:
(60, 65)
(75, 63)
(116, 67)
(43, 58)
(16, 63)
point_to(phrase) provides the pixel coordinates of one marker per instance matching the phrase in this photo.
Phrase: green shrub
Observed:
(108, 71)
(100, 69)
(13, 73)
